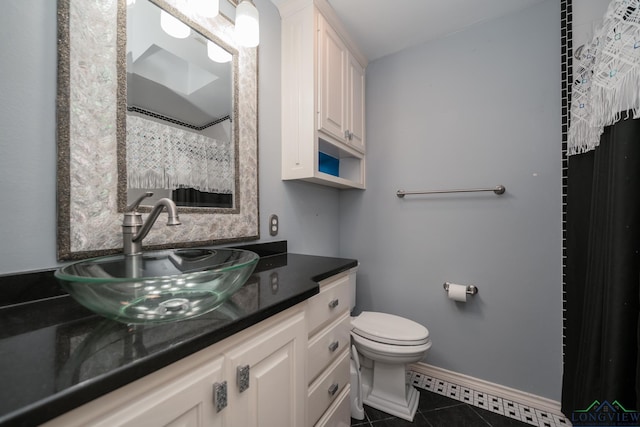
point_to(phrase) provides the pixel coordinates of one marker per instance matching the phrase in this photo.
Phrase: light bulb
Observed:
(216, 53)
(173, 26)
(206, 8)
(247, 24)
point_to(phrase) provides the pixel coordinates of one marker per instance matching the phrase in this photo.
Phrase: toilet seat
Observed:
(389, 329)
(381, 351)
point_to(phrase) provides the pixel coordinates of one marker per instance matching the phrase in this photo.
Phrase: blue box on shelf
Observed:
(328, 164)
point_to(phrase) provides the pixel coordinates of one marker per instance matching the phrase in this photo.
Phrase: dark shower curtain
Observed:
(601, 359)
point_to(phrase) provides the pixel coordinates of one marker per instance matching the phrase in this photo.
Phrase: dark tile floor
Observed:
(435, 410)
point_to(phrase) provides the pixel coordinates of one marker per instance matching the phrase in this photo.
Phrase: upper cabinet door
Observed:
(355, 80)
(332, 87)
(340, 89)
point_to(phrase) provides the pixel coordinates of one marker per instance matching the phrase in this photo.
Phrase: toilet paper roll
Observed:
(457, 292)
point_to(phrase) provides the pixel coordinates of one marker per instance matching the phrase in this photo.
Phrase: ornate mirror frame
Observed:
(91, 107)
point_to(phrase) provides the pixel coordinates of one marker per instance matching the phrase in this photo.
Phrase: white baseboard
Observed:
(517, 396)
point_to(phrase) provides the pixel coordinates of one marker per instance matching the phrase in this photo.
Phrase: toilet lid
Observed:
(389, 329)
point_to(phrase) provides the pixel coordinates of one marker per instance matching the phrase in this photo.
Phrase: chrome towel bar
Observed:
(499, 189)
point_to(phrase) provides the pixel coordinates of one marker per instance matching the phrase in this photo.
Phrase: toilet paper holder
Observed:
(471, 289)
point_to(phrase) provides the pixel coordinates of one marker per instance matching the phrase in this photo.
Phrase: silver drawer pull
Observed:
(333, 389)
(334, 303)
(242, 377)
(333, 346)
(220, 395)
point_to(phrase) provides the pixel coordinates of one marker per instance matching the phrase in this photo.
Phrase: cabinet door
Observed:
(275, 396)
(186, 402)
(355, 107)
(333, 54)
(175, 398)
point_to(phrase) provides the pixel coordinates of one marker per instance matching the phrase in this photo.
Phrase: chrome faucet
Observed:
(133, 228)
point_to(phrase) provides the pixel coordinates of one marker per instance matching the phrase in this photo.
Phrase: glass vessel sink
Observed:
(158, 286)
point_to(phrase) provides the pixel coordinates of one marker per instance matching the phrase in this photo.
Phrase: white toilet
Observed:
(385, 344)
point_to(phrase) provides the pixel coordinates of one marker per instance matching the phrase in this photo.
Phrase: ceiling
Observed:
(383, 27)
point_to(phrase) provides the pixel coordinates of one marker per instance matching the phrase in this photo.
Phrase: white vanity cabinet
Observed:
(290, 370)
(183, 393)
(323, 97)
(329, 324)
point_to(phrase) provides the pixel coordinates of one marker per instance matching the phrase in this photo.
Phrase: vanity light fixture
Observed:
(217, 54)
(247, 30)
(206, 8)
(173, 26)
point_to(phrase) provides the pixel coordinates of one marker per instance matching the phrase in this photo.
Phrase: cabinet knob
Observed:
(220, 395)
(333, 389)
(334, 303)
(333, 346)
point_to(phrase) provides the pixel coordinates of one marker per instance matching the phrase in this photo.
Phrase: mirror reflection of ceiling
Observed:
(173, 77)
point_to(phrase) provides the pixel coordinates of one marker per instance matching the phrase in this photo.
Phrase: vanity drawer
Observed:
(328, 344)
(339, 414)
(327, 388)
(331, 302)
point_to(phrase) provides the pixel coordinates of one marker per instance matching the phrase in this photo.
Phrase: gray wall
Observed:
(587, 16)
(478, 108)
(28, 135)
(309, 214)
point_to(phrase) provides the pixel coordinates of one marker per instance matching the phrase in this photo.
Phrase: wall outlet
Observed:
(273, 225)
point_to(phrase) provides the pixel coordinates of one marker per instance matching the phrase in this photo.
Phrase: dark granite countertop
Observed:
(55, 355)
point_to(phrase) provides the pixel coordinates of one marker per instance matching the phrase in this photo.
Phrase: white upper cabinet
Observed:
(323, 97)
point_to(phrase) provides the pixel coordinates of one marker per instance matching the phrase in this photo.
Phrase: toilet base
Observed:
(385, 388)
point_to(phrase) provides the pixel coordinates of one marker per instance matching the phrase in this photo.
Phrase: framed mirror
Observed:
(95, 118)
